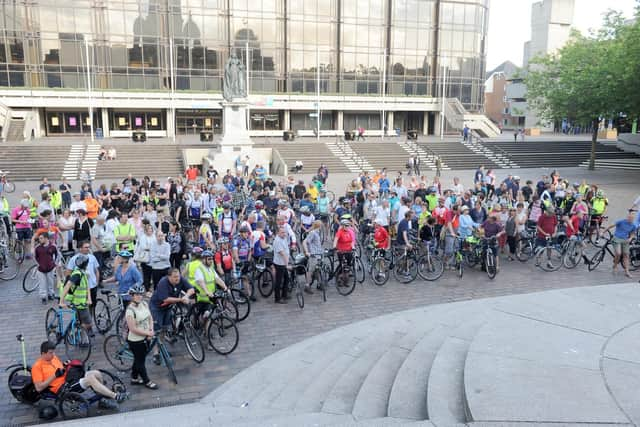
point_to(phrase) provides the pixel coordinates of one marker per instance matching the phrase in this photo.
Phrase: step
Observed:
(343, 394)
(446, 403)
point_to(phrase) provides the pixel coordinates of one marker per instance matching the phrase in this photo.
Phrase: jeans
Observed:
(139, 350)
(146, 275)
(281, 283)
(156, 275)
(45, 283)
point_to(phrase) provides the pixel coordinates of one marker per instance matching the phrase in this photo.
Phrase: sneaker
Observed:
(122, 396)
(107, 404)
(281, 301)
(50, 297)
(156, 359)
(137, 381)
(253, 299)
(44, 301)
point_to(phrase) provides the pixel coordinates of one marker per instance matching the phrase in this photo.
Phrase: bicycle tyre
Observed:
(595, 260)
(572, 255)
(168, 362)
(360, 273)
(459, 266)
(9, 187)
(430, 267)
(117, 353)
(18, 252)
(349, 282)
(299, 294)
(490, 265)
(317, 279)
(11, 268)
(30, 280)
(223, 334)
(524, 250)
(17, 394)
(379, 271)
(193, 343)
(265, 283)
(407, 274)
(551, 259)
(77, 343)
(51, 322)
(112, 382)
(122, 328)
(102, 316)
(72, 405)
(243, 304)
(600, 238)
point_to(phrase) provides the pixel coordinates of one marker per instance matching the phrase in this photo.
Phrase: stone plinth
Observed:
(236, 134)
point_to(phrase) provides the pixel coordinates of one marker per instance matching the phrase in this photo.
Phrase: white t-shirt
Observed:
(402, 209)
(383, 215)
(78, 205)
(458, 189)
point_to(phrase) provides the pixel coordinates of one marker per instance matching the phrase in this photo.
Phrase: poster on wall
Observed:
(154, 121)
(72, 121)
(122, 121)
(55, 121)
(207, 123)
(138, 121)
(87, 121)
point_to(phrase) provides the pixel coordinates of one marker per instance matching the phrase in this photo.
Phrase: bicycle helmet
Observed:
(222, 240)
(322, 190)
(226, 205)
(244, 229)
(196, 251)
(207, 253)
(345, 222)
(282, 202)
(125, 254)
(206, 216)
(305, 210)
(346, 216)
(600, 193)
(82, 261)
(259, 204)
(137, 289)
(48, 412)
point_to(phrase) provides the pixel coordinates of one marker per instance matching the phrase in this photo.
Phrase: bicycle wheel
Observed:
(490, 264)
(549, 259)
(345, 283)
(168, 362)
(9, 267)
(51, 324)
(299, 293)
(112, 382)
(118, 354)
(360, 273)
(572, 255)
(600, 237)
(223, 334)
(122, 329)
(30, 279)
(72, 405)
(9, 187)
(265, 283)
(17, 394)
(595, 260)
(18, 252)
(430, 267)
(459, 265)
(193, 344)
(379, 271)
(524, 250)
(406, 269)
(102, 316)
(77, 343)
(243, 303)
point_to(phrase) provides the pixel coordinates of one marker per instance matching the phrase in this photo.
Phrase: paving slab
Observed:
(623, 380)
(501, 388)
(624, 344)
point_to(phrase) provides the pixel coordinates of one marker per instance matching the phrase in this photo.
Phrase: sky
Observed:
(510, 24)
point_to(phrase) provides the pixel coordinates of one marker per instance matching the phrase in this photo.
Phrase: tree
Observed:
(584, 80)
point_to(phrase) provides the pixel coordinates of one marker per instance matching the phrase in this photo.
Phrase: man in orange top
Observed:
(49, 373)
(191, 174)
(93, 206)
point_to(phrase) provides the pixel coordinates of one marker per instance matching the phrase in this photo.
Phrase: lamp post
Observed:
(89, 95)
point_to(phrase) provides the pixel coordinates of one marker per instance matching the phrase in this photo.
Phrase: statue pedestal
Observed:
(235, 135)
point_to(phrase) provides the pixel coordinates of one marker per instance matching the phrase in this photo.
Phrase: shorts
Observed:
(621, 246)
(24, 233)
(161, 318)
(541, 242)
(84, 315)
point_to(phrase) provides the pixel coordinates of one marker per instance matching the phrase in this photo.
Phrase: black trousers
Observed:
(146, 275)
(281, 283)
(511, 241)
(139, 350)
(176, 260)
(157, 275)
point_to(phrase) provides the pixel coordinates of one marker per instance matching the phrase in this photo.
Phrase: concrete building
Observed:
(157, 65)
(496, 105)
(550, 28)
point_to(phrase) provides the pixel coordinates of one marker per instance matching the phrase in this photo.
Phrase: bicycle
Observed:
(319, 277)
(108, 309)
(30, 280)
(489, 249)
(120, 356)
(71, 404)
(382, 261)
(77, 342)
(573, 250)
(458, 257)
(598, 257)
(182, 327)
(299, 268)
(525, 247)
(548, 257)
(345, 278)
(263, 277)
(595, 232)
(406, 266)
(220, 328)
(9, 268)
(430, 265)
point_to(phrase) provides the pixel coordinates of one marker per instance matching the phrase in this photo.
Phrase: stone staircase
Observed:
(33, 161)
(457, 155)
(557, 358)
(457, 117)
(74, 161)
(629, 164)
(498, 157)
(427, 159)
(153, 160)
(312, 155)
(354, 161)
(382, 154)
(16, 130)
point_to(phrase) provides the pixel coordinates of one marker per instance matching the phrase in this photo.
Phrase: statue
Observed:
(234, 79)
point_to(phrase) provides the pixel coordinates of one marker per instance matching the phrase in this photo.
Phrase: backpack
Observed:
(74, 371)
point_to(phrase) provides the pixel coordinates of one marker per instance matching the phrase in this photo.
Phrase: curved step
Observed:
(446, 404)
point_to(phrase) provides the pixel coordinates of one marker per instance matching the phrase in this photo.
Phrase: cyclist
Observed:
(224, 260)
(313, 250)
(76, 292)
(190, 268)
(625, 230)
(285, 212)
(306, 221)
(546, 227)
(259, 242)
(20, 217)
(598, 207)
(344, 242)
(227, 221)
(46, 256)
(493, 228)
(205, 283)
(140, 325)
(168, 292)
(242, 249)
(322, 206)
(48, 373)
(124, 233)
(381, 237)
(205, 233)
(404, 229)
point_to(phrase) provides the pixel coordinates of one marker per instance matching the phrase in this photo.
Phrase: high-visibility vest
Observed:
(56, 200)
(78, 295)
(192, 266)
(5, 206)
(33, 210)
(209, 281)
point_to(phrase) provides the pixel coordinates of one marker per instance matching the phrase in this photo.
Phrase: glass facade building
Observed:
(373, 48)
